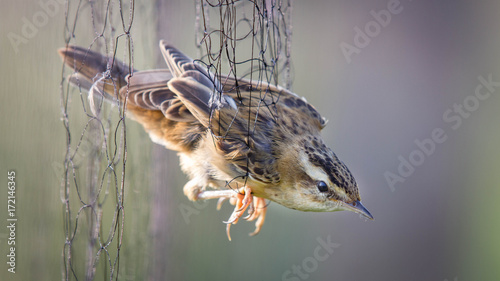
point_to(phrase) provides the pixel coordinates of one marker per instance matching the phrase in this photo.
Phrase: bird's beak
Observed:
(357, 207)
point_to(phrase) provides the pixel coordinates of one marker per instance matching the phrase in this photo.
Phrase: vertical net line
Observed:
(95, 160)
(270, 33)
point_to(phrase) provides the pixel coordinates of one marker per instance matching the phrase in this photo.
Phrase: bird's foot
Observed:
(243, 200)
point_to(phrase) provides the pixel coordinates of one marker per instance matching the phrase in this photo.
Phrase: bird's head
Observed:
(316, 180)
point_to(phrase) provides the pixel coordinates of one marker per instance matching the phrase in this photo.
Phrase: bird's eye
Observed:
(321, 185)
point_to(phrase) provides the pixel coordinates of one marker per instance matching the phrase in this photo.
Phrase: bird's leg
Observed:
(243, 200)
(212, 194)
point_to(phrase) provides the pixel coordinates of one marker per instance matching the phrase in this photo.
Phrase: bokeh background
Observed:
(440, 223)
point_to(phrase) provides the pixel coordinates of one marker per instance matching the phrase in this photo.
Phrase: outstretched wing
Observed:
(197, 89)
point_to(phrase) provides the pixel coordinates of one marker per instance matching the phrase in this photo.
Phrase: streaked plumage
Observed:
(246, 140)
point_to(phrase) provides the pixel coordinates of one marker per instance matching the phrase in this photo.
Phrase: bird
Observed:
(242, 140)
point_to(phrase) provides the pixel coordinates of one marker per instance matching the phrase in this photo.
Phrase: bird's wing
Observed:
(194, 96)
(149, 90)
(262, 94)
(179, 64)
(194, 85)
(244, 92)
(186, 92)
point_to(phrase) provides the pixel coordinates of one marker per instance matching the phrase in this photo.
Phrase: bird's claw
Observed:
(243, 200)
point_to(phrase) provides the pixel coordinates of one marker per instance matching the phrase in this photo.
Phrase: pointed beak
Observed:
(357, 207)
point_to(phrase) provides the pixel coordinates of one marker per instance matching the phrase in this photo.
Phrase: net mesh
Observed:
(246, 39)
(249, 39)
(92, 187)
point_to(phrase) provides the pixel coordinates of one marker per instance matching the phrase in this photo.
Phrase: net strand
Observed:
(95, 164)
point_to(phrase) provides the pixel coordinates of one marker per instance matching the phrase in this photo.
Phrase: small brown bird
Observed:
(245, 140)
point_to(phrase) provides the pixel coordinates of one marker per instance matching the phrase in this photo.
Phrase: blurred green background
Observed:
(439, 224)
